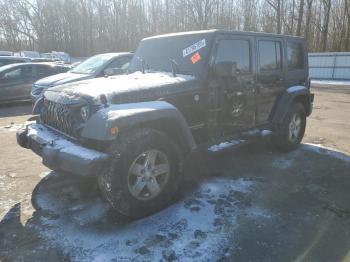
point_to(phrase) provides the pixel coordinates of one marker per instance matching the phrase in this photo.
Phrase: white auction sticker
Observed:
(193, 48)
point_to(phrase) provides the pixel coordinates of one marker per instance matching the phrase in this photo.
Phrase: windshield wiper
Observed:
(143, 64)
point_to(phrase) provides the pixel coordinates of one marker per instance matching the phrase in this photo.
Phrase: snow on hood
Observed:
(61, 79)
(121, 84)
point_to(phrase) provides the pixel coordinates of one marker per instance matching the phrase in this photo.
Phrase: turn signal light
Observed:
(114, 130)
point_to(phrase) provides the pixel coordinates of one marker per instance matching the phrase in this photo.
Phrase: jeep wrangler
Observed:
(184, 92)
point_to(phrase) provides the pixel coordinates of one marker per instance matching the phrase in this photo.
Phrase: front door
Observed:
(270, 78)
(236, 95)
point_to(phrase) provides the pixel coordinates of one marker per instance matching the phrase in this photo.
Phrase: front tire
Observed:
(291, 132)
(145, 173)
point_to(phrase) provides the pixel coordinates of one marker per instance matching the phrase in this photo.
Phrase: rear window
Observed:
(295, 56)
(270, 56)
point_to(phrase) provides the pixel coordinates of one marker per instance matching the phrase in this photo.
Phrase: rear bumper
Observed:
(58, 153)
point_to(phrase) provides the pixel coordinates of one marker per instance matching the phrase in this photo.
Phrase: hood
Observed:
(136, 87)
(61, 79)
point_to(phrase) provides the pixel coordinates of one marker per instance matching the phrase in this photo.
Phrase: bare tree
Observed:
(325, 26)
(300, 17)
(277, 6)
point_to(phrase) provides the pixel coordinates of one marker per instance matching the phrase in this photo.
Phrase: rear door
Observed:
(236, 95)
(13, 83)
(270, 77)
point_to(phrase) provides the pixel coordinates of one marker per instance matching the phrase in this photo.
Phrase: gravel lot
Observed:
(259, 204)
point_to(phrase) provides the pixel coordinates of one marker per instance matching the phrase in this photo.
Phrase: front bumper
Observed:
(59, 153)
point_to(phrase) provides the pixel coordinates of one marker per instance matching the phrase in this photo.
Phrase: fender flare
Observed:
(156, 114)
(286, 100)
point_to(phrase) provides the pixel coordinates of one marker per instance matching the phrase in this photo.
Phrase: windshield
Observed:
(189, 52)
(92, 64)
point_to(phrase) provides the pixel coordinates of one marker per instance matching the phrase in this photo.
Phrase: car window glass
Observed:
(295, 55)
(235, 51)
(92, 64)
(121, 62)
(43, 71)
(14, 74)
(27, 71)
(270, 56)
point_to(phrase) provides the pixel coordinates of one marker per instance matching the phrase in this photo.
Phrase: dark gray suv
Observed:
(96, 66)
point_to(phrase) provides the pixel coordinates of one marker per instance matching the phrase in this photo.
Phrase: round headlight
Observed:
(85, 113)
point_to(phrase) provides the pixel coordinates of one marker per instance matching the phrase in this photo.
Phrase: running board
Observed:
(238, 141)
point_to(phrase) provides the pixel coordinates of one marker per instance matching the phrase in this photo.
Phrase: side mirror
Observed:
(226, 69)
(113, 71)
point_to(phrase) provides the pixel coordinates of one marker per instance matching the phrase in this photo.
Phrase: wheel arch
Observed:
(293, 94)
(158, 115)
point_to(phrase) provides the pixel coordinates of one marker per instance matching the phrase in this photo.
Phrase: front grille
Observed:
(60, 117)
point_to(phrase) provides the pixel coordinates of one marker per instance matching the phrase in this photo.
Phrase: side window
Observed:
(43, 71)
(270, 56)
(295, 56)
(12, 75)
(27, 71)
(235, 51)
(121, 63)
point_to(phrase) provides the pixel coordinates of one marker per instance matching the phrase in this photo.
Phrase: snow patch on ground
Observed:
(10, 128)
(283, 163)
(204, 220)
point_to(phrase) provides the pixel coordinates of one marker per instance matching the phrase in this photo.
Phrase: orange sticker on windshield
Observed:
(195, 58)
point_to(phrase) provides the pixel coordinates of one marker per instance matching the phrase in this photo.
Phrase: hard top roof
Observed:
(221, 31)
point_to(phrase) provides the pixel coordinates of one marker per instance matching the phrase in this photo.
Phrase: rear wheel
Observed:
(145, 174)
(291, 131)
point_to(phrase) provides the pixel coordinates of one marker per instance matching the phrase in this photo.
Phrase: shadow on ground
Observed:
(259, 206)
(15, 109)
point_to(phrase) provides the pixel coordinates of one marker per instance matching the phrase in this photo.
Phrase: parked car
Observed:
(29, 54)
(185, 93)
(56, 56)
(16, 80)
(7, 60)
(6, 53)
(93, 67)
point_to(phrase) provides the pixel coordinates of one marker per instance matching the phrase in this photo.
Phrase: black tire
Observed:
(283, 138)
(127, 150)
